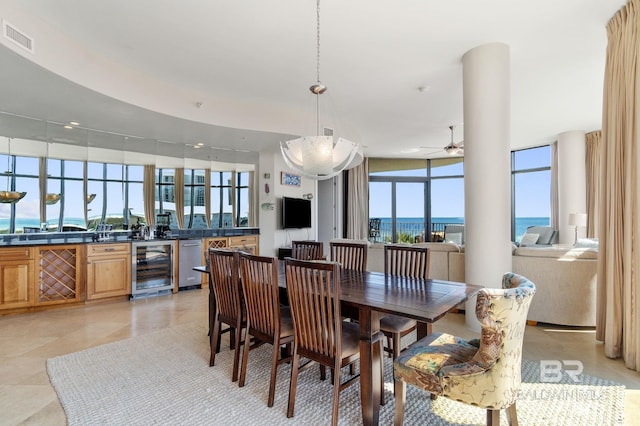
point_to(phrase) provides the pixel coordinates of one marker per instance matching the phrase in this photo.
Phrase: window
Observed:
(115, 195)
(26, 213)
(165, 194)
(531, 189)
(416, 200)
(221, 200)
(194, 207)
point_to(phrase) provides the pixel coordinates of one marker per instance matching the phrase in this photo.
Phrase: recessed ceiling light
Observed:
(409, 151)
(200, 144)
(74, 123)
(68, 127)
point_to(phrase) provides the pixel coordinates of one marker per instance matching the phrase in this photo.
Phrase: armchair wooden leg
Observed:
(512, 416)
(493, 417)
(399, 389)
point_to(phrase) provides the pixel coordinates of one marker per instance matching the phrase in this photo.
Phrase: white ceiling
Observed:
(142, 67)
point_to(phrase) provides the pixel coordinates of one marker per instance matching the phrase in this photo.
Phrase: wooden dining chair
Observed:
(266, 322)
(307, 250)
(224, 267)
(320, 334)
(408, 262)
(350, 254)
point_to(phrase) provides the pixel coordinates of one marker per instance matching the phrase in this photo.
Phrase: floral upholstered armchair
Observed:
(484, 372)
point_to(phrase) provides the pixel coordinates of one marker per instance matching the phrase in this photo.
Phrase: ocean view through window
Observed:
(416, 199)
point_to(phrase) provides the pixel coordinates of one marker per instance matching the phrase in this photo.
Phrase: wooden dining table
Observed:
(373, 294)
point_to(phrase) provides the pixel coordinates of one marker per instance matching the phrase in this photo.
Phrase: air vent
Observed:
(17, 36)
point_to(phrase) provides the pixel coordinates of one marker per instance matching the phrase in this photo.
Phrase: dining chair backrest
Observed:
(224, 267)
(350, 254)
(307, 250)
(406, 261)
(314, 297)
(259, 278)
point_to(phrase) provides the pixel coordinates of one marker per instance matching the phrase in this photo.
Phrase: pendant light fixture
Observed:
(321, 156)
(10, 196)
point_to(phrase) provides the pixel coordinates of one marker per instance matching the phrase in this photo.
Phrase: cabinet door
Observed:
(246, 243)
(16, 284)
(108, 276)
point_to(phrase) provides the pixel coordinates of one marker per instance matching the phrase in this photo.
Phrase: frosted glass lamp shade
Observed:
(320, 157)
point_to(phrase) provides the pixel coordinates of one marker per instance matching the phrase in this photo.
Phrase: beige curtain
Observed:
(149, 191)
(358, 202)
(207, 196)
(178, 188)
(555, 222)
(593, 142)
(43, 189)
(618, 310)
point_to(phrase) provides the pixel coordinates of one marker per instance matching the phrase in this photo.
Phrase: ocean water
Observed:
(414, 225)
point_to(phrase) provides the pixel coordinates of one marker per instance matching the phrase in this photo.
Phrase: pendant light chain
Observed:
(318, 41)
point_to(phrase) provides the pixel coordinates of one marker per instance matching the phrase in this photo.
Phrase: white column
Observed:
(572, 183)
(487, 178)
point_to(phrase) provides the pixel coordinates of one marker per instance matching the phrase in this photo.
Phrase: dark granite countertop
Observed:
(44, 238)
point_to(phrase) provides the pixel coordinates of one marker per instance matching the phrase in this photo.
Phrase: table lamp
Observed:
(577, 220)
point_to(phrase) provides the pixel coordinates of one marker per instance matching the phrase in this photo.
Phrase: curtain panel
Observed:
(593, 142)
(149, 191)
(618, 311)
(178, 181)
(358, 201)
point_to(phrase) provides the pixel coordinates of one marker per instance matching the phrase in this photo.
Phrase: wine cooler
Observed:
(151, 268)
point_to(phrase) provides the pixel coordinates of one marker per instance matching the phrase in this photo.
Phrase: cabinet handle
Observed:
(109, 249)
(190, 245)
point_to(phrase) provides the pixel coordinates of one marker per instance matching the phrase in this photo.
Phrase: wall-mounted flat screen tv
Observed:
(296, 213)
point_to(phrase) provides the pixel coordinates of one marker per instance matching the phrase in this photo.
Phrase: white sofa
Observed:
(565, 278)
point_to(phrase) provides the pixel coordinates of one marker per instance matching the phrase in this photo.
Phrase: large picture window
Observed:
(531, 189)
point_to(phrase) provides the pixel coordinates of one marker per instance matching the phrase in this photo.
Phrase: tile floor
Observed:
(27, 340)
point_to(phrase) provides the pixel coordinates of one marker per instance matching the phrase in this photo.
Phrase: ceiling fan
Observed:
(451, 148)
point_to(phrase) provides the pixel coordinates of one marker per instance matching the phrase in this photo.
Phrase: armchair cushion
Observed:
(423, 362)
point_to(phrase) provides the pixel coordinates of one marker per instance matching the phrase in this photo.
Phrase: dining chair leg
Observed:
(396, 345)
(382, 401)
(236, 352)
(274, 373)
(323, 372)
(293, 382)
(232, 338)
(336, 393)
(213, 341)
(245, 358)
(399, 389)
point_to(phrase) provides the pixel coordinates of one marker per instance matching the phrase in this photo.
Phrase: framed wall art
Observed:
(290, 179)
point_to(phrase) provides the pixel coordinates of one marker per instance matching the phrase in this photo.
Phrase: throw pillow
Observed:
(455, 237)
(529, 239)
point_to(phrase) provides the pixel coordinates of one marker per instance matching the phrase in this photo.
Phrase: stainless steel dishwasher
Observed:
(189, 255)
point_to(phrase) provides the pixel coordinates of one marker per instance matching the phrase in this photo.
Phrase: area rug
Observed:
(164, 378)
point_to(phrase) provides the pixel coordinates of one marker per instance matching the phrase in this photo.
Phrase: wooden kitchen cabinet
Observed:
(246, 243)
(108, 270)
(17, 277)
